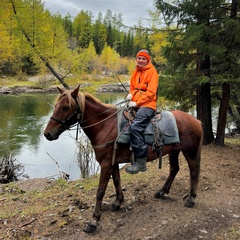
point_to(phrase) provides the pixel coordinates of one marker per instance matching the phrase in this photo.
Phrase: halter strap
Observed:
(80, 120)
(77, 113)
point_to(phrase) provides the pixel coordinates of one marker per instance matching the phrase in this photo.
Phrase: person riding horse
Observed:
(142, 97)
(73, 107)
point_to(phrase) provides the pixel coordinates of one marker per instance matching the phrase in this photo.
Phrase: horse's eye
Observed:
(65, 109)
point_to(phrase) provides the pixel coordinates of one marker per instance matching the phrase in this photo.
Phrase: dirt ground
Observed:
(46, 210)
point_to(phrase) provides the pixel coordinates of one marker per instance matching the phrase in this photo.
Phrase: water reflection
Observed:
(22, 120)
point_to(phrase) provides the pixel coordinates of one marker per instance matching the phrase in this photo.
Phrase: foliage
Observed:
(82, 29)
(202, 57)
(86, 158)
(99, 34)
(158, 41)
(31, 35)
(34, 34)
(189, 42)
(10, 169)
(109, 58)
(29, 66)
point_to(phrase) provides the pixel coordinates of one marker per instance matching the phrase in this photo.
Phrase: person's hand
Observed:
(129, 96)
(132, 104)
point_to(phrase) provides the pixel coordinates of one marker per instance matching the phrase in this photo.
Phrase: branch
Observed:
(28, 223)
(62, 174)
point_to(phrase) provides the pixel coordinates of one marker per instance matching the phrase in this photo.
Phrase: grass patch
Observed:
(14, 82)
(233, 140)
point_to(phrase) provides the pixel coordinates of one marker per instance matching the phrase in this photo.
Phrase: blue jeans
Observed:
(138, 127)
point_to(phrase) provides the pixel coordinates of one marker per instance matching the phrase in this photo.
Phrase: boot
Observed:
(138, 166)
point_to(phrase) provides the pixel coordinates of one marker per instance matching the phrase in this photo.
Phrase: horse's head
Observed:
(66, 113)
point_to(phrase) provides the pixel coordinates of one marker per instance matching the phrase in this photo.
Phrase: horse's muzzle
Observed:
(50, 136)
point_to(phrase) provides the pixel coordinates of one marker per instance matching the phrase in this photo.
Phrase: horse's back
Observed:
(189, 128)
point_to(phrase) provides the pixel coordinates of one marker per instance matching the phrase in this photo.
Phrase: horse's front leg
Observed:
(106, 171)
(119, 193)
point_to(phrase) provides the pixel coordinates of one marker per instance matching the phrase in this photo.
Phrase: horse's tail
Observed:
(199, 151)
(198, 154)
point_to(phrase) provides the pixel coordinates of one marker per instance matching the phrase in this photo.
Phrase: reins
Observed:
(79, 114)
(103, 113)
(101, 120)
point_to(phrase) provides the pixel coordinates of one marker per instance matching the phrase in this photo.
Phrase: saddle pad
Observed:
(166, 125)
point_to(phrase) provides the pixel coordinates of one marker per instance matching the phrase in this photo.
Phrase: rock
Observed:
(118, 87)
(34, 184)
(203, 231)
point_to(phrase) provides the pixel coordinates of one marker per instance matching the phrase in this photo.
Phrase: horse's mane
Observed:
(96, 100)
(81, 99)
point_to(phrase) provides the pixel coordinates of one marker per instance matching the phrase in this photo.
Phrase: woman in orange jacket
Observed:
(143, 96)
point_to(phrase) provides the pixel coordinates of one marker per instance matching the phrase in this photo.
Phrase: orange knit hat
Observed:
(144, 53)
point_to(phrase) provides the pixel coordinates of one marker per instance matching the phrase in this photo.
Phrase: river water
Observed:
(22, 121)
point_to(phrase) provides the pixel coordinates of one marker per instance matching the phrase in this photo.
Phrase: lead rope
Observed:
(79, 118)
(119, 119)
(78, 130)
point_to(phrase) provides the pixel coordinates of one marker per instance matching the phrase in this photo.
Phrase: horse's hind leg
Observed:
(119, 193)
(174, 168)
(194, 168)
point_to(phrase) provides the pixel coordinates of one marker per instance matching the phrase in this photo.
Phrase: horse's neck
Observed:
(96, 118)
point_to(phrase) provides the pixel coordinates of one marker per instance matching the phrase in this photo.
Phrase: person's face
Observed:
(142, 61)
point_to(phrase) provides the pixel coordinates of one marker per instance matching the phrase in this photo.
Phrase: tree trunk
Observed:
(204, 111)
(55, 73)
(222, 115)
(204, 106)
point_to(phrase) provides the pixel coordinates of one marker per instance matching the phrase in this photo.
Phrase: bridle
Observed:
(66, 123)
(79, 115)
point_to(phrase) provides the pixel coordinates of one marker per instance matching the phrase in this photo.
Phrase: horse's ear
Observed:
(60, 90)
(75, 92)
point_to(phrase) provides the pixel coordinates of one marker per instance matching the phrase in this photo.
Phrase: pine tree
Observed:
(99, 34)
(82, 28)
(196, 44)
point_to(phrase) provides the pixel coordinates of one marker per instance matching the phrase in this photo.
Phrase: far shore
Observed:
(116, 88)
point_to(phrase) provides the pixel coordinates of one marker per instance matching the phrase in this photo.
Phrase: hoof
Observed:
(114, 207)
(159, 195)
(90, 227)
(189, 204)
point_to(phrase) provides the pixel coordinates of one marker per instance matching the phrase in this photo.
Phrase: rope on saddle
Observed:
(119, 118)
(158, 144)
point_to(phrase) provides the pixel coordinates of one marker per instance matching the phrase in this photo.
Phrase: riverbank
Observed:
(45, 84)
(20, 89)
(116, 88)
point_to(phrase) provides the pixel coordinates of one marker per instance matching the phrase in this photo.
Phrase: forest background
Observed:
(195, 46)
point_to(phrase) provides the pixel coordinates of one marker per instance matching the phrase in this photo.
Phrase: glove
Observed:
(132, 104)
(129, 96)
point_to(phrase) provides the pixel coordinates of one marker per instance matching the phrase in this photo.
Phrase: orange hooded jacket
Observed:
(144, 86)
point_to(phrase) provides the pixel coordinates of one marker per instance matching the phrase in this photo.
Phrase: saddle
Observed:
(161, 130)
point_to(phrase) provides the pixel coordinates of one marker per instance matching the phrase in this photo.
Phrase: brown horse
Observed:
(99, 122)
